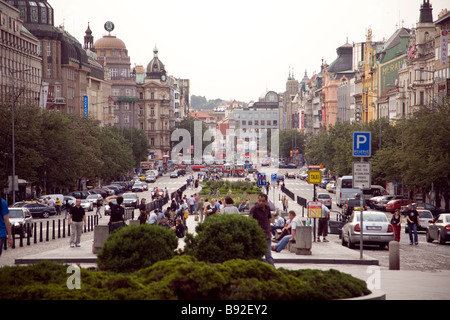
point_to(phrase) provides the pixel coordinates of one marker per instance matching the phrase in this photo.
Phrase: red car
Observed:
(393, 205)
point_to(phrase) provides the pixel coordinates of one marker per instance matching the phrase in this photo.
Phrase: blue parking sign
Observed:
(262, 180)
(273, 177)
(362, 144)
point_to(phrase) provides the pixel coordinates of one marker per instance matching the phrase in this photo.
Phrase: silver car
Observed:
(21, 220)
(377, 229)
(87, 205)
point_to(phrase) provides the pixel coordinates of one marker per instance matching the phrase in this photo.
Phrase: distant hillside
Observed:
(200, 103)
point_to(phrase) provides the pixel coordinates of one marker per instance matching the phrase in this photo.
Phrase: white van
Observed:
(53, 197)
(345, 190)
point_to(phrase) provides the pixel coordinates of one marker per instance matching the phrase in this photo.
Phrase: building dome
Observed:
(155, 68)
(109, 42)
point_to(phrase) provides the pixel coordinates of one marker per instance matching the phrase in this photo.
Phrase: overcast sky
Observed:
(238, 49)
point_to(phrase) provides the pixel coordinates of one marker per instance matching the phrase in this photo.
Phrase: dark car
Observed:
(426, 206)
(21, 220)
(36, 209)
(280, 177)
(181, 172)
(351, 205)
(99, 191)
(79, 194)
(114, 188)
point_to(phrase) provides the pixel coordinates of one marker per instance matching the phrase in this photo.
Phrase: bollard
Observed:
(35, 232)
(394, 255)
(47, 231)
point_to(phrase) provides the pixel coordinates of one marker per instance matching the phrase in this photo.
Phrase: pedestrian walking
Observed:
(99, 206)
(261, 212)
(5, 225)
(77, 217)
(58, 206)
(396, 222)
(229, 207)
(412, 217)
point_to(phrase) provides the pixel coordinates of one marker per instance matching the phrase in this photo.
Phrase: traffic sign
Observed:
(262, 180)
(362, 175)
(362, 144)
(314, 176)
(273, 177)
(314, 209)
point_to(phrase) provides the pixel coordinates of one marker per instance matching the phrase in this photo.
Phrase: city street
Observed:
(425, 256)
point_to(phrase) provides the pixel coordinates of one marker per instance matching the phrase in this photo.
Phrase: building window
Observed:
(152, 111)
(114, 72)
(126, 118)
(49, 49)
(152, 126)
(126, 106)
(116, 119)
(34, 13)
(49, 71)
(152, 142)
(152, 96)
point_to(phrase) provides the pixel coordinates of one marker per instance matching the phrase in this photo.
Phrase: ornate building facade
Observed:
(19, 51)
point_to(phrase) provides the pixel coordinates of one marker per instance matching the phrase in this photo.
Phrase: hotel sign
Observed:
(444, 48)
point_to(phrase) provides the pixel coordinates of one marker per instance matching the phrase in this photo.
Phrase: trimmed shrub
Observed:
(132, 248)
(224, 237)
(181, 278)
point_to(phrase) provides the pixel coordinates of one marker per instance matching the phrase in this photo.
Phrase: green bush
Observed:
(132, 248)
(225, 237)
(181, 278)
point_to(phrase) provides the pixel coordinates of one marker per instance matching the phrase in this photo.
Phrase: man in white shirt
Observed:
(295, 222)
(153, 217)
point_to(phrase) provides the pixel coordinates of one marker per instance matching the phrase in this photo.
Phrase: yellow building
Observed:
(369, 81)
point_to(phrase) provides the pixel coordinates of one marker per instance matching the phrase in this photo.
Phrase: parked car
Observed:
(130, 200)
(381, 204)
(395, 204)
(174, 174)
(439, 228)
(138, 187)
(424, 216)
(104, 193)
(331, 187)
(115, 189)
(87, 205)
(324, 182)
(36, 209)
(291, 175)
(326, 197)
(350, 205)
(94, 198)
(79, 194)
(377, 229)
(21, 220)
(181, 172)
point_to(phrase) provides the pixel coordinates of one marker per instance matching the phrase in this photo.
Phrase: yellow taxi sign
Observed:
(314, 176)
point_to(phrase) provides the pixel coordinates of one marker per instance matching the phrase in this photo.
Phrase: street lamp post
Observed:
(13, 180)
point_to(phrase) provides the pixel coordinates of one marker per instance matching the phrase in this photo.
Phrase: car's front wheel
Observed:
(45, 214)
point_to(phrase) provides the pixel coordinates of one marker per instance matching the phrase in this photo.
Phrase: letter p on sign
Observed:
(362, 144)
